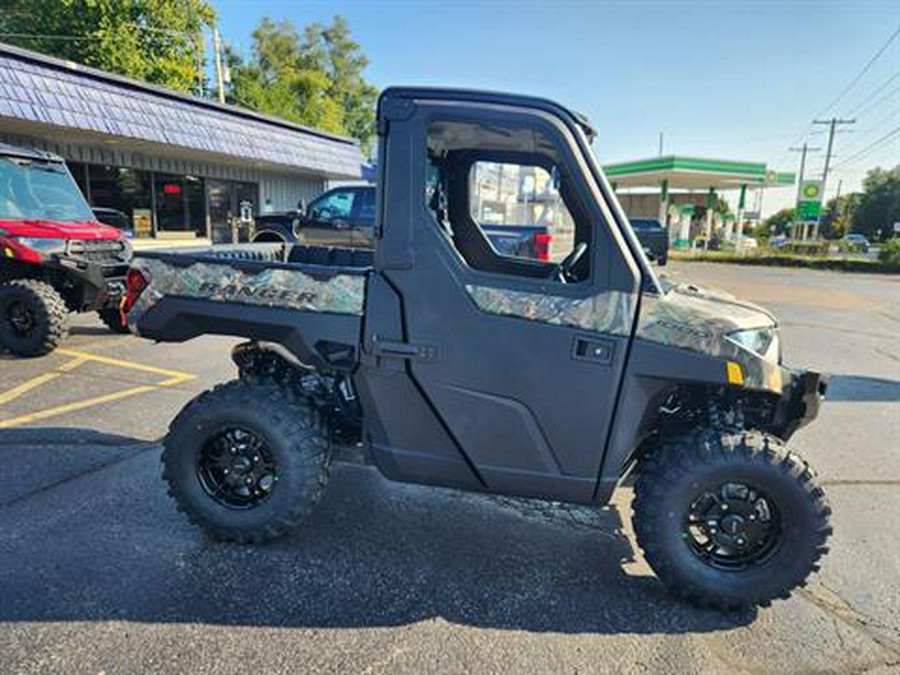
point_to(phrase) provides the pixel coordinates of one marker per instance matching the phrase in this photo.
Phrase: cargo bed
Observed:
(310, 299)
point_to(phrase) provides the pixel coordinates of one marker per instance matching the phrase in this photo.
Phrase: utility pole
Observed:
(803, 150)
(220, 78)
(660, 143)
(832, 123)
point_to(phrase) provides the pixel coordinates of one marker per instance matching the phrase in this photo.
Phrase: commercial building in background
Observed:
(174, 164)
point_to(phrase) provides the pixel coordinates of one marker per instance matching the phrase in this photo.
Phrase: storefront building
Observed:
(173, 164)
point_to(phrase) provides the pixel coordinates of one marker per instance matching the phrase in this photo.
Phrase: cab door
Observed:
(518, 360)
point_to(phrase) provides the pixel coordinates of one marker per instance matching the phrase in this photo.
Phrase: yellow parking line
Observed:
(173, 378)
(125, 364)
(76, 405)
(28, 385)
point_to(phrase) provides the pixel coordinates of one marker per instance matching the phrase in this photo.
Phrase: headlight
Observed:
(761, 341)
(41, 244)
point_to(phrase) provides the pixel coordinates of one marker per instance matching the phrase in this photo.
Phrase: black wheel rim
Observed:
(20, 318)
(237, 469)
(733, 526)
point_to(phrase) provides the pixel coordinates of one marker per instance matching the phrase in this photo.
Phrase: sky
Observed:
(718, 78)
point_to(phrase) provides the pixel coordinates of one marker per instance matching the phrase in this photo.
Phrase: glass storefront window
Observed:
(180, 204)
(125, 190)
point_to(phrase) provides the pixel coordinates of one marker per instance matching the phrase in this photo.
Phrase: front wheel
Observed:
(33, 317)
(246, 462)
(730, 520)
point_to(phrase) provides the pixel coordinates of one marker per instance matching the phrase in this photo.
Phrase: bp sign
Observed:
(809, 204)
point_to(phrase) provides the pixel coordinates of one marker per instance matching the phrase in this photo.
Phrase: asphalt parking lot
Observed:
(99, 573)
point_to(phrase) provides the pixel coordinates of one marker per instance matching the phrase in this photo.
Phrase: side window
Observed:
(519, 209)
(335, 206)
(365, 204)
(503, 199)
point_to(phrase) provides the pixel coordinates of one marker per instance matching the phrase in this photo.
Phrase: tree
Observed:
(278, 80)
(778, 223)
(837, 215)
(333, 51)
(314, 78)
(159, 41)
(879, 204)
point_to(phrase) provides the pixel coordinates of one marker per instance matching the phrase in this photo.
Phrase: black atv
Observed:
(452, 364)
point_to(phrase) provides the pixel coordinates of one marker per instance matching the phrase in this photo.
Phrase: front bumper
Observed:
(799, 404)
(94, 285)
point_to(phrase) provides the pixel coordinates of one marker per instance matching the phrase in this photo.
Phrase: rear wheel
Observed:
(33, 317)
(113, 319)
(246, 462)
(730, 520)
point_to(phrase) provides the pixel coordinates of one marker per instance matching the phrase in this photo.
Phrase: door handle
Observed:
(402, 350)
(595, 350)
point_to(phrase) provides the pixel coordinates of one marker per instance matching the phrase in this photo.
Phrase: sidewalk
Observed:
(175, 242)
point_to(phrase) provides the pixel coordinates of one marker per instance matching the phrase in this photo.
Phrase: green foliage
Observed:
(837, 215)
(777, 223)
(890, 252)
(315, 78)
(879, 204)
(159, 41)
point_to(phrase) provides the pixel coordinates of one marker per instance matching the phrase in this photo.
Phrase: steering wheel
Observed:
(568, 264)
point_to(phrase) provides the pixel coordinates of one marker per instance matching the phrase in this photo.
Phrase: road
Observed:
(99, 573)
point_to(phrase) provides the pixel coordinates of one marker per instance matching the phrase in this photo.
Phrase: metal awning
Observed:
(694, 173)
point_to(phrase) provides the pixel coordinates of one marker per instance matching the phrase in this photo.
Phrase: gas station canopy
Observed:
(694, 173)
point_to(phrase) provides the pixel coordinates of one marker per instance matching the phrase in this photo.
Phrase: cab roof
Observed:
(495, 97)
(7, 150)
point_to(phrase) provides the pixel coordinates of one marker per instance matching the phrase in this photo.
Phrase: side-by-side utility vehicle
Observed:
(454, 365)
(55, 256)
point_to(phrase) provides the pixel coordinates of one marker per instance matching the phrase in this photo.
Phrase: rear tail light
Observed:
(542, 246)
(136, 281)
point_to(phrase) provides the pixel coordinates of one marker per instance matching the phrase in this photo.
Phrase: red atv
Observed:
(55, 257)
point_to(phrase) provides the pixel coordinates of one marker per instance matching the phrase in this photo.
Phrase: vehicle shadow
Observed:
(91, 330)
(373, 554)
(862, 388)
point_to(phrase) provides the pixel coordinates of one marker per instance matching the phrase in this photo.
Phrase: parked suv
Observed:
(55, 257)
(345, 216)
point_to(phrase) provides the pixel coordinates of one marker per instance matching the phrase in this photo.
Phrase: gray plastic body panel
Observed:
(502, 403)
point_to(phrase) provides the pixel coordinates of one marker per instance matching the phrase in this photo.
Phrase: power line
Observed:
(862, 72)
(855, 157)
(884, 85)
(849, 87)
(875, 104)
(57, 36)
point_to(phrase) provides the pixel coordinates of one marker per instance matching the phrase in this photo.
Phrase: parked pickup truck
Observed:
(345, 216)
(455, 365)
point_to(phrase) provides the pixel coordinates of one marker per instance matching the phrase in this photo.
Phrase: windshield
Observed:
(36, 190)
(650, 281)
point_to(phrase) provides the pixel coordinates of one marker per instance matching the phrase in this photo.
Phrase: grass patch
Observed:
(771, 259)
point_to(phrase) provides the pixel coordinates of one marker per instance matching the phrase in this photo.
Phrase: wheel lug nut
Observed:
(249, 481)
(724, 507)
(225, 471)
